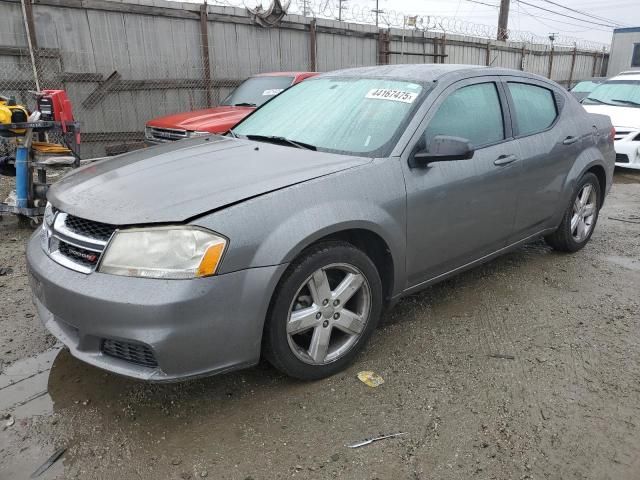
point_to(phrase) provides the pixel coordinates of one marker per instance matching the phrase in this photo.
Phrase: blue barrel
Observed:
(22, 177)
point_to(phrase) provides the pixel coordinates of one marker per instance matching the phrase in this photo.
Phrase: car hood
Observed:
(214, 120)
(620, 116)
(180, 180)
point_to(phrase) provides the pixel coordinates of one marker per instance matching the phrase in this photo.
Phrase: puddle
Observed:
(24, 394)
(626, 262)
(23, 386)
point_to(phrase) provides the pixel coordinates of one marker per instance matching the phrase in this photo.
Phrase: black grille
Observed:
(622, 158)
(131, 352)
(89, 228)
(79, 255)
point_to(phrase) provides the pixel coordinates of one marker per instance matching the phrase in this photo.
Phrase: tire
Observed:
(569, 237)
(331, 295)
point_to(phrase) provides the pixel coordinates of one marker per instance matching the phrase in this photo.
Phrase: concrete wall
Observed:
(622, 49)
(152, 50)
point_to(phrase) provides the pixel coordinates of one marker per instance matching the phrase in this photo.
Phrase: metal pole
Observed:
(573, 64)
(206, 59)
(503, 19)
(313, 46)
(30, 43)
(404, 24)
(377, 11)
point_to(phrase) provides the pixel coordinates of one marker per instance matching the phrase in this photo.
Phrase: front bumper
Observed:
(627, 148)
(193, 327)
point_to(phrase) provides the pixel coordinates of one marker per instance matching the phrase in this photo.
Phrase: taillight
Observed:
(612, 134)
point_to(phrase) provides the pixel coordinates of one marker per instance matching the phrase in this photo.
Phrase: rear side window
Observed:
(635, 58)
(535, 107)
(472, 112)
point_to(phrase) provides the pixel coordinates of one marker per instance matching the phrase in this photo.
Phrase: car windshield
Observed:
(254, 91)
(358, 116)
(586, 86)
(624, 93)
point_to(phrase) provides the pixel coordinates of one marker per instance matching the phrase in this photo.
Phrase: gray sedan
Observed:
(288, 236)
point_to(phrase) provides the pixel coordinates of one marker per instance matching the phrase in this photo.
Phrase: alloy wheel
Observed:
(328, 313)
(584, 211)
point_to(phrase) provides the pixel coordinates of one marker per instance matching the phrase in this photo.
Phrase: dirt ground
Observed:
(527, 367)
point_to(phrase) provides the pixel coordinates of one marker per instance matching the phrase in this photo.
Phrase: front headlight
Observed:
(49, 215)
(194, 134)
(176, 252)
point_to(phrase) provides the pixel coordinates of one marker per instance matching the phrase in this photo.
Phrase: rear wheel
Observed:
(580, 218)
(324, 310)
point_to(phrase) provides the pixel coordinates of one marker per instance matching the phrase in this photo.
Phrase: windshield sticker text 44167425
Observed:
(390, 94)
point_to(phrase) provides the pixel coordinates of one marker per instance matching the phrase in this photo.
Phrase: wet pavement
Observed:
(526, 367)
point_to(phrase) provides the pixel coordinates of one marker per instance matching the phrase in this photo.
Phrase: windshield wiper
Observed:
(244, 104)
(628, 102)
(232, 133)
(276, 139)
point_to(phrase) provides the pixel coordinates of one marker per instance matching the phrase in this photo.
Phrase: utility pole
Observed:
(503, 20)
(377, 11)
(340, 8)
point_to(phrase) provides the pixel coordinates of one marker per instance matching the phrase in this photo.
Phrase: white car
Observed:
(619, 98)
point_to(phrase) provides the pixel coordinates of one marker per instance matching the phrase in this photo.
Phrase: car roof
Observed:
(283, 74)
(628, 75)
(425, 72)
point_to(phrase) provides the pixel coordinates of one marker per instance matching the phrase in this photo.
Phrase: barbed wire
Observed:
(329, 9)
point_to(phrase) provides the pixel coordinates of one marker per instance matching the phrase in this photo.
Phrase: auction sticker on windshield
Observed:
(389, 94)
(272, 91)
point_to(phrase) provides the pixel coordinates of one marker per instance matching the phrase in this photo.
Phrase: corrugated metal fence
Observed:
(124, 62)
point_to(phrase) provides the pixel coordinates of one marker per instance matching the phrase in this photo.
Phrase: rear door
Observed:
(459, 211)
(549, 143)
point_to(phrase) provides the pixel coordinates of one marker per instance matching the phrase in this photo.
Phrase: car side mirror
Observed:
(442, 148)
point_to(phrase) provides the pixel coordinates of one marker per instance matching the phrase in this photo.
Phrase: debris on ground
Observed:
(503, 356)
(370, 378)
(10, 421)
(369, 441)
(50, 461)
(5, 271)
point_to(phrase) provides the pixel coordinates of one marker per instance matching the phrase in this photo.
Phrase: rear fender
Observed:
(589, 158)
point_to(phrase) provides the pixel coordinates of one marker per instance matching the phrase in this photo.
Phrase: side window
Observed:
(635, 57)
(535, 107)
(472, 112)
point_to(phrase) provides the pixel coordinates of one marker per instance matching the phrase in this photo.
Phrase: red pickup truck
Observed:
(249, 95)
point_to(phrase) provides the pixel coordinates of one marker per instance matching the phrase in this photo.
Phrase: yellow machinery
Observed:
(11, 112)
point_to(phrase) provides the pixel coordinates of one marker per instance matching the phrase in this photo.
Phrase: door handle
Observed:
(504, 160)
(569, 140)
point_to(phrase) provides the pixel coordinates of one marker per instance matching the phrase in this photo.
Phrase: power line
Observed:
(555, 12)
(537, 17)
(484, 3)
(596, 17)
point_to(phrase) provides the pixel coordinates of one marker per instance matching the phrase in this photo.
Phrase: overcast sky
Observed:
(624, 13)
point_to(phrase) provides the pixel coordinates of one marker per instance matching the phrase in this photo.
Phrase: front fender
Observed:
(274, 228)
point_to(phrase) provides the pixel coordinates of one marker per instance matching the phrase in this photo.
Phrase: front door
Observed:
(459, 211)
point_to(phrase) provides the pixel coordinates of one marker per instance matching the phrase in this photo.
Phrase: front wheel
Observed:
(323, 312)
(580, 218)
